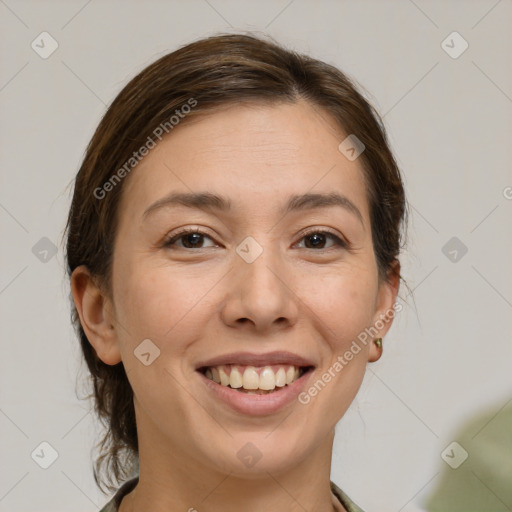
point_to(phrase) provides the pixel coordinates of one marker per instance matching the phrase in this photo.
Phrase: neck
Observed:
(171, 479)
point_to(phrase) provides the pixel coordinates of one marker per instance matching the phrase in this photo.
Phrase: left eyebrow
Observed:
(208, 201)
(311, 201)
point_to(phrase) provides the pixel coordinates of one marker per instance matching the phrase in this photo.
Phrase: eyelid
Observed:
(340, 241)
(183, 232)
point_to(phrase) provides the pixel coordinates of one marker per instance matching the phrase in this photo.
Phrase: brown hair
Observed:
(215, 71)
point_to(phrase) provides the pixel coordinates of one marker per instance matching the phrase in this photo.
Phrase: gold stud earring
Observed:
(378, 342)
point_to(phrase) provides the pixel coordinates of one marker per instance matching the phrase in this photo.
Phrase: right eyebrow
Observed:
(200, 200)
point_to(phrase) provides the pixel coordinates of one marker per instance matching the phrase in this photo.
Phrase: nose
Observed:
(260, 294)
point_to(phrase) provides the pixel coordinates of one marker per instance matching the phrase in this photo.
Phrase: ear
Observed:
(385, 312)
(94, 310)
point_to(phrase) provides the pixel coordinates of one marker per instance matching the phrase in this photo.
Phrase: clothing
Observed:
(113, 504)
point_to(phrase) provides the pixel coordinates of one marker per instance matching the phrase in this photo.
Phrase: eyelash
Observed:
(338, 241)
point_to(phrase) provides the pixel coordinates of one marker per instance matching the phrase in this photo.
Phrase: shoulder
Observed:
(113, 504)
(344, 499)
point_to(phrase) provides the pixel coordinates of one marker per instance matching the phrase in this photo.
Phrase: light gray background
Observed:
(446, 362)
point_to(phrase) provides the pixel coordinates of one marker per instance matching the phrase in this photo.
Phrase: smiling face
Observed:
(198, 297)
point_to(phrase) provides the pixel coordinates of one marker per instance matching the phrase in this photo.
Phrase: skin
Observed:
(197, 303)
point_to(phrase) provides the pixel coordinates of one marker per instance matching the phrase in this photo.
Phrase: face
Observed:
(256, 279)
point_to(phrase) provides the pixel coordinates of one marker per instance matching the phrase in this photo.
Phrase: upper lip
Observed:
(254, 359)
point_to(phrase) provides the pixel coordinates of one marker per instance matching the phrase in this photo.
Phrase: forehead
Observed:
(252, 153)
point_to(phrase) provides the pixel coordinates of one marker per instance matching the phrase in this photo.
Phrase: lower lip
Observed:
(257, 405)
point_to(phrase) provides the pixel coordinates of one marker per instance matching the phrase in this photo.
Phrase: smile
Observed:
(254, 380)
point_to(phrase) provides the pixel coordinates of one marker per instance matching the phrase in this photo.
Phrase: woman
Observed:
(232, 246)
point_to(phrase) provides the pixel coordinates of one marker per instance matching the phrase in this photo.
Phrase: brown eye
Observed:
(316, 239)
(191, 239)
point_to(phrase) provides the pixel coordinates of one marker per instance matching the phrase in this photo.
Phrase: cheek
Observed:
(348, 305)
(344, 310)
(345, 301)
(155, 301)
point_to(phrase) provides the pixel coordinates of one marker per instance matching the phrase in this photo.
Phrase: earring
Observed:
(378, 342)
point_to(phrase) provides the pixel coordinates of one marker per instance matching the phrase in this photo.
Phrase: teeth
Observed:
(267, 379)
(290, 374)
(251, 378)
(215, 375)
(224, 379)
(235, 378)
(280, 378)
